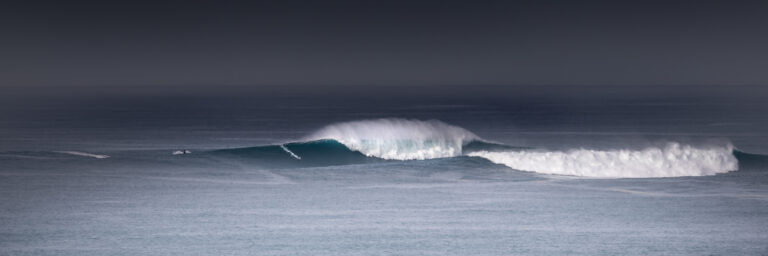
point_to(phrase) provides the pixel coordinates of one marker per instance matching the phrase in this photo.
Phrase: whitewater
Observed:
(398, 139)
(409, 139)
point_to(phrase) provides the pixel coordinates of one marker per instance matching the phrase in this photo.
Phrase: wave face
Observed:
(670, 160)
(398, 139)
(299, 154)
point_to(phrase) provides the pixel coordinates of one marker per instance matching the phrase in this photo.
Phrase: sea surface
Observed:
(485, 170)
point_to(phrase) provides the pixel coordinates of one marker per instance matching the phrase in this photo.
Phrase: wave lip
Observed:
(670, 160)
(398, 139)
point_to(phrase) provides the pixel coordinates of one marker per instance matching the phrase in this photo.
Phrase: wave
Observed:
(670, 160)
(406, 139)
(398, 139)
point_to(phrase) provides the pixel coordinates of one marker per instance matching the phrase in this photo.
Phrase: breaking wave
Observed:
(392, 139)
(370, 141)
(670, 160)
(399, 139)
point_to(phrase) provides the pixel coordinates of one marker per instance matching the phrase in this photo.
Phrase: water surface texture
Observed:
(405, 171)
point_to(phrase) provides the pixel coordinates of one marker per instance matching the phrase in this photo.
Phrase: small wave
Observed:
(76, 153)
(398, 139)
(670, 160)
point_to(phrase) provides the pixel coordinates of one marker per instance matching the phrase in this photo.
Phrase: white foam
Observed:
(289, 152)
(670, 160)
(400, 139)
(76, 153)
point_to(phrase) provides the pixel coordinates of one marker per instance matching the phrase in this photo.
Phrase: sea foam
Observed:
(669, 160)
(408, 139)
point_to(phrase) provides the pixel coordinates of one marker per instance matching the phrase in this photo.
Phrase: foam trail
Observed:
(289, 152)
(670, 160)
(399, 139)
(76, 153)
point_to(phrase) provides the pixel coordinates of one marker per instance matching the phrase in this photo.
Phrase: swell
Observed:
(378, 140)
(405, 139)
(670, 160)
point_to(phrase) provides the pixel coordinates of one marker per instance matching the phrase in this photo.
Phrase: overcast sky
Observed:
(114, 44)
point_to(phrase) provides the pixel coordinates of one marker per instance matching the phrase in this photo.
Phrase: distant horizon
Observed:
(372, 44)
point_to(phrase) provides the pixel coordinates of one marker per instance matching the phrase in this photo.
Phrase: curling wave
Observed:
(398, 139)
(670, 160)
(370, 141)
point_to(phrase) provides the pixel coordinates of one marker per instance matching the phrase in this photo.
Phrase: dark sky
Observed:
(204, 44)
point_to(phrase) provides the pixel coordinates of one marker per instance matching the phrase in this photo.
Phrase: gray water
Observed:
(142, 200)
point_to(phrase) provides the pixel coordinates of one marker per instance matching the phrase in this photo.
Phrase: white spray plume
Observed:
(399, 139)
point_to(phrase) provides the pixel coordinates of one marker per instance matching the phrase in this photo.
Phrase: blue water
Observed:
(287, 173)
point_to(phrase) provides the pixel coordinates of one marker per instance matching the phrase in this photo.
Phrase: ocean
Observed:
(496, 170)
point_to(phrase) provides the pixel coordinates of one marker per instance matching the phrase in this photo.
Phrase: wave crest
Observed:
(670, 160)
(398, 139)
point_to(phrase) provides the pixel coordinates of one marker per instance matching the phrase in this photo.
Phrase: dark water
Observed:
(551, 116)
(95, 174)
